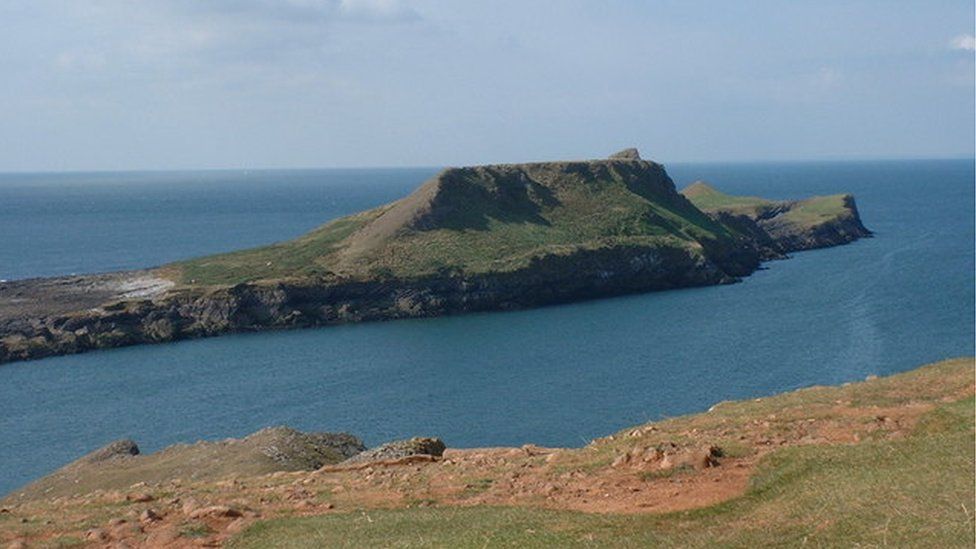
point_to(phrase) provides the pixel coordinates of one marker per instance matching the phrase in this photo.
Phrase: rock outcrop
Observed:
(120, 466)
(417, 446)
(626, 154)
(120, 449)
(781, 227)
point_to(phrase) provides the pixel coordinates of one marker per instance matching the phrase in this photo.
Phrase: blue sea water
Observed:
(554, 376)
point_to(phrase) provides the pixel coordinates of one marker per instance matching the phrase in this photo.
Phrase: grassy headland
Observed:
(482, 219)
(783, 220)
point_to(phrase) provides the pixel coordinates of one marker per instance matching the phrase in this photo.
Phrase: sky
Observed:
(184, 84)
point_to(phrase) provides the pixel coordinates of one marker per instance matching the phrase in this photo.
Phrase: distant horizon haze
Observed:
(380, 167)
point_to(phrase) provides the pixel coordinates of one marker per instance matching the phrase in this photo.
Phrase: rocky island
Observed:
(470, 239)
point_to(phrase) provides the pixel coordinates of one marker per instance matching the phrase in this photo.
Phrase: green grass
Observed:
(308, 255)
(477, 486)
(917, 491)
(488, 220)
(801, 215)
(196, 531)
(816, 210)
(707, 198)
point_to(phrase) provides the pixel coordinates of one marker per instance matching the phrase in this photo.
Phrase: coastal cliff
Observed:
(783, 226)
(470, 239)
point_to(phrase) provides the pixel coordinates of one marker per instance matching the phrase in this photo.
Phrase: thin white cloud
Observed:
(81, 60)
(181, 39)
(827, 78)
(966, 42)
(307, 11)
(384, 10)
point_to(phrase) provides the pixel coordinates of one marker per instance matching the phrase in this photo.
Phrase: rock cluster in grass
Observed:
(114, 450)
(304, 451)
(417, 446)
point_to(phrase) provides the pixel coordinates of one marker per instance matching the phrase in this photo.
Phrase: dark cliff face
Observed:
(622, 254)
(780, 227)
(251, 307)
(841, 229)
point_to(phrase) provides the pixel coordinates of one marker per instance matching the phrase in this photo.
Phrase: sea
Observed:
(555, 376)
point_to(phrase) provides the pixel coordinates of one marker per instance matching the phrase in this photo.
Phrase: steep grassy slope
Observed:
(908, 490)
(484, 219)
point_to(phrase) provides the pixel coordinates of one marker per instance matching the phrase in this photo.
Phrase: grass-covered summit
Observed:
(485, 219)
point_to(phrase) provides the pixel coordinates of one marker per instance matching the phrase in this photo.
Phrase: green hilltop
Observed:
(484, 219)
(501, 218)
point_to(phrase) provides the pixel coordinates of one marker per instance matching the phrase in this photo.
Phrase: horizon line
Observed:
(837, 160)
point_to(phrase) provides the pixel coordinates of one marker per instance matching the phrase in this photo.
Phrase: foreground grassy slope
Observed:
(481, 219)
(915, 490)
(883, 462)
(266, 451)
(909, 493)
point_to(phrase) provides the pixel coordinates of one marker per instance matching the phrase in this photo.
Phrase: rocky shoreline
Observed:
(260, 306)
(254, 307)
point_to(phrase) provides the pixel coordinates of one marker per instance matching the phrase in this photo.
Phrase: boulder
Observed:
(215, 511)
(417, 446)
(296, 450)
(149, 515)
(115, 450)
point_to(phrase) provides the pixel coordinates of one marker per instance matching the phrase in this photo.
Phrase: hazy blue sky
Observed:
(128, 84)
